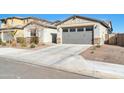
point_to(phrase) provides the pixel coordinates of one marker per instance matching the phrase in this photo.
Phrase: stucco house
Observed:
(83, 30)
(73, 30)
(27, 28)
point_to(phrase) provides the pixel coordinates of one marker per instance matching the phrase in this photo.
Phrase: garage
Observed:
(79, 35)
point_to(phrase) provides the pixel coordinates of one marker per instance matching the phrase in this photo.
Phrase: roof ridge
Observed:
(93, 19)
(23, 18)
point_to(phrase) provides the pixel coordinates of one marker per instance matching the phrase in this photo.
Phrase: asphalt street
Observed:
(12, 69)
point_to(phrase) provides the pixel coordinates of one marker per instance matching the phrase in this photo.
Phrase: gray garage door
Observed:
(84, 37)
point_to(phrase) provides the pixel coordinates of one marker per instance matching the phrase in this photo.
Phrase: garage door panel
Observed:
(77, 37)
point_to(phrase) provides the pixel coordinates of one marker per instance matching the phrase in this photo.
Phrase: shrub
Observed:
(20, 39)
(0, 41)
(3, 44)
(92, 52)
(98, 46)
(34, 40)
(32, 45)
(13, 43)
(23, 44)
(93, 48)
(8, 41)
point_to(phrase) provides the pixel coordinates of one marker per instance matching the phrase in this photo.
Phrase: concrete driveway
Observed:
(47, 56)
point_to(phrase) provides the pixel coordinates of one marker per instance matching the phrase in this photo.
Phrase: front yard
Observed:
(29, 47)
(22, 43)
(105, 53)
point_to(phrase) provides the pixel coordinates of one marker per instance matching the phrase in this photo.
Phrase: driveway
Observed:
(47, 56)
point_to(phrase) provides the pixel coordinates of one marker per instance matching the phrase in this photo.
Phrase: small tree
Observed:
(0, 41)
(13, 34)
(14, 38)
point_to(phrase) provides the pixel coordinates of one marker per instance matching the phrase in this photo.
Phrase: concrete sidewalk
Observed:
(66, 57)
(96, 69)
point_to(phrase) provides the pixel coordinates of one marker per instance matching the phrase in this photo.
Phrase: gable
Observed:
(79, 21)
(75, 21)
(33, 26)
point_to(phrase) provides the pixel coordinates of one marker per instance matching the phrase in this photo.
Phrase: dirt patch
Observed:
(105, 53)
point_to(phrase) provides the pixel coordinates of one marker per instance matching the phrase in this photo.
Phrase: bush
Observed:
(23, 44)
(98, 46)
(92, 52)
(20, 39)
(8, 41)
(0, 41)
(34, 40)
(3, 44)
(93, 48)
(13, 43)
(32, 45)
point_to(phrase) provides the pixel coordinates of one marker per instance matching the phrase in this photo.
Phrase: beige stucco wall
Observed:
(99, 33)
(43, 33)
(47, 35)
(103, 31)
(5, 36)
(19, 33)
(13, 23)
(27, 30)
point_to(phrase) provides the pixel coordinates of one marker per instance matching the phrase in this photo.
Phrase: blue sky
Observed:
(117, 19)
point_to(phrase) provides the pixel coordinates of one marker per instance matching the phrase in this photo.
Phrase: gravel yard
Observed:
(105, 53)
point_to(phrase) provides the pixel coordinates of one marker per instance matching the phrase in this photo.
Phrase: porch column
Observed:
(59, 35)
(2, 37)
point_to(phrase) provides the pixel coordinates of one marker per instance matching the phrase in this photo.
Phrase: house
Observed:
(27, 28)
(83, 30)
(73, 30)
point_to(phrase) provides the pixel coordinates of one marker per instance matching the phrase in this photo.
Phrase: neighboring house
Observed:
(27, 28)
(73, 30)
(83, 30)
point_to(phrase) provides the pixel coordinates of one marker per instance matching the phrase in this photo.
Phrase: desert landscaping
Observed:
(106, 53)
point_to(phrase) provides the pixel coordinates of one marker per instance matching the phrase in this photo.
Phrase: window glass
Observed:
(65, 29)
(72, 29)
(80, 29)
(90, 28)
(33, 32)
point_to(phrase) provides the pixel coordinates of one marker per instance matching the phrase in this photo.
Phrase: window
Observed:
(72, 29)
(90, 28)
(65, 29)
(80, 29)
(33, 32)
